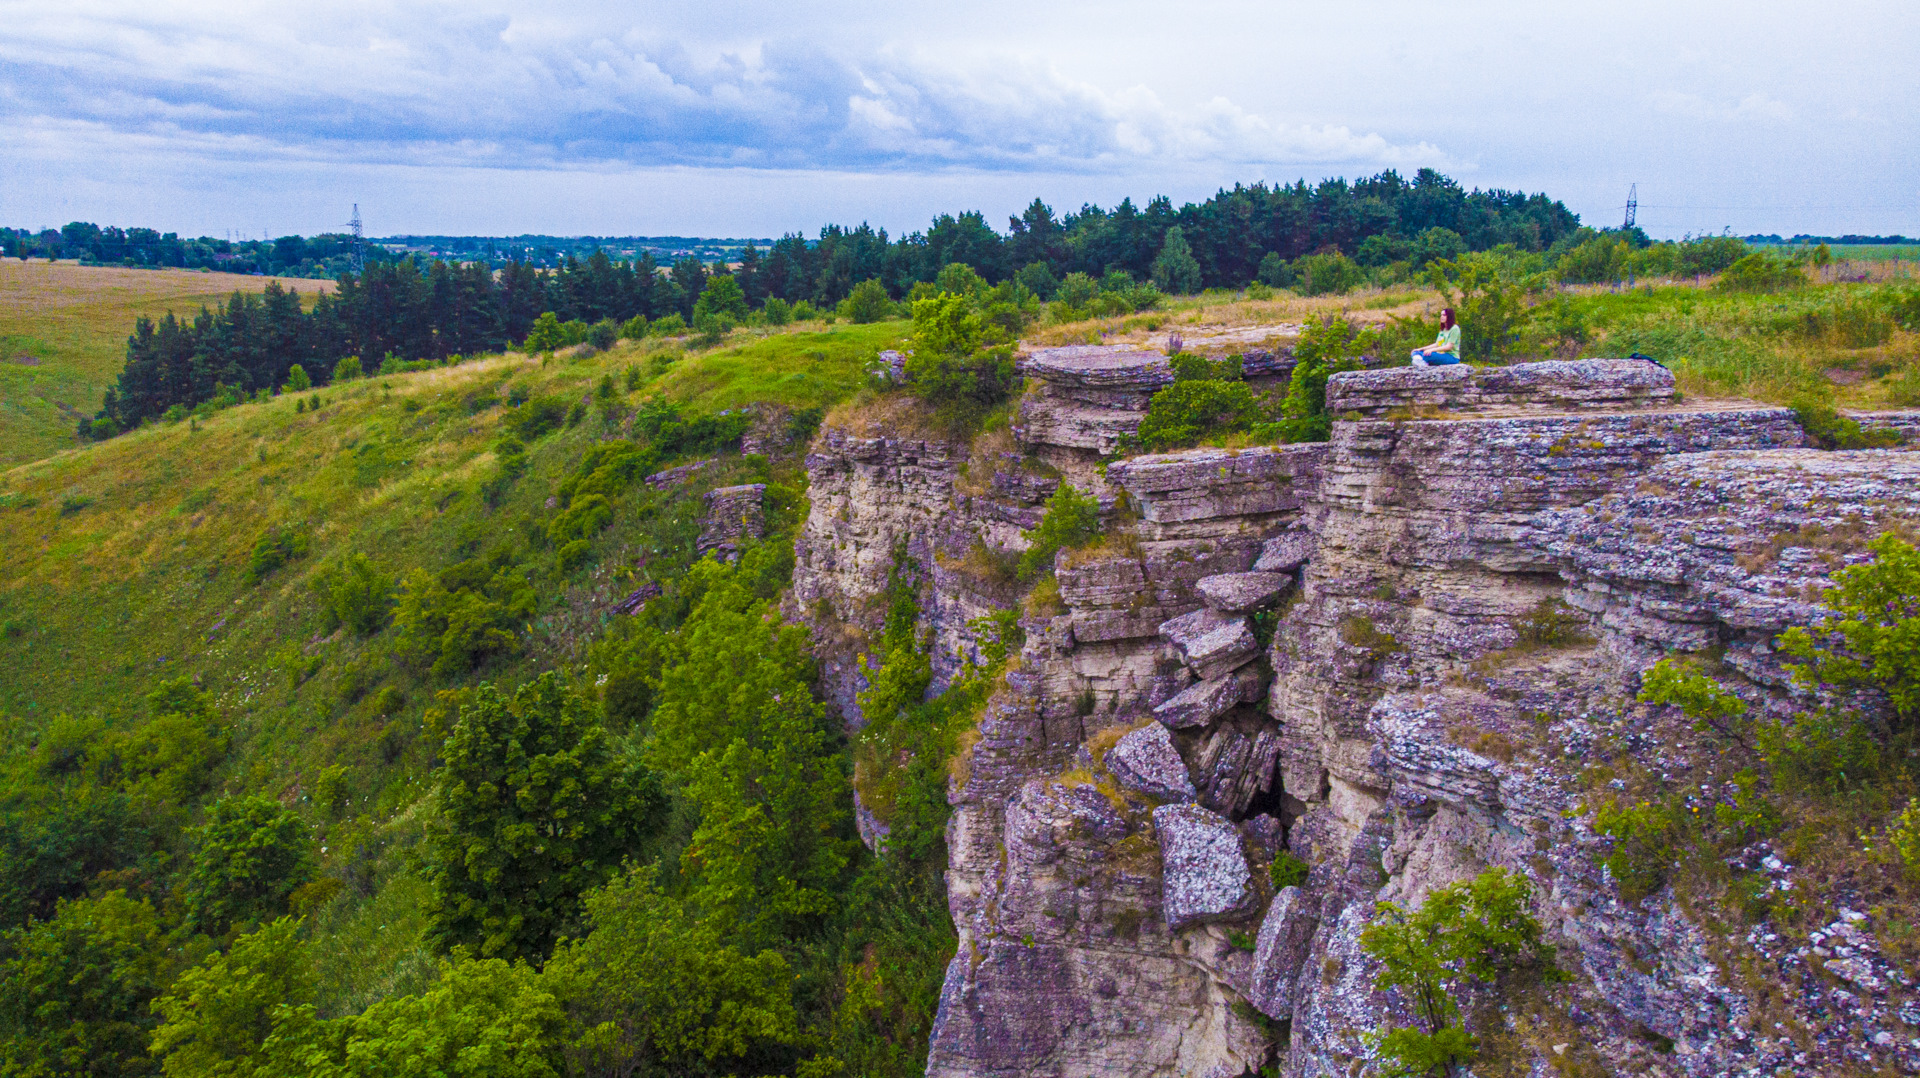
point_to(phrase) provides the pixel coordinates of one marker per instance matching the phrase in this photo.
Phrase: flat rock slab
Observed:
(1145, 760)
(1099, 367)
(1047, 420)
(1286, 553)
(1203, 871)
(1201, 703)
(1212, 643)
(1553, 386)
(1241, 593)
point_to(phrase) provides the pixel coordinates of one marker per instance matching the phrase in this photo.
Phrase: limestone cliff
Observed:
(1387, 655)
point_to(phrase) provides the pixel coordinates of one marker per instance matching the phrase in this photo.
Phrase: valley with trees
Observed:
(388, 686)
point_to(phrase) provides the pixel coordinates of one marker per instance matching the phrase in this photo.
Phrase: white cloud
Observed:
(520, 93)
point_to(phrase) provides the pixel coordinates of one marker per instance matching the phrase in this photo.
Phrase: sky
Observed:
(757, 118)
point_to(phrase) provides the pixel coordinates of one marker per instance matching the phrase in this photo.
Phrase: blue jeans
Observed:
(1437, 359)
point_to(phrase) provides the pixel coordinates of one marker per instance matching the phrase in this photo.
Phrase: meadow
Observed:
(63, 336)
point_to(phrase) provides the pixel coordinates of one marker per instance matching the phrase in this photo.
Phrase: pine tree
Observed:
(1176, 271)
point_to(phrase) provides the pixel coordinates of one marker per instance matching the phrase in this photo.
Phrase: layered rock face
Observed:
(1385, 656)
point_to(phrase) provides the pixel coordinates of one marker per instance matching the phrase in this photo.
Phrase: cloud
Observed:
(446, 86)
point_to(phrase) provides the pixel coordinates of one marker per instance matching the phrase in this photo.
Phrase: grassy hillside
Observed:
(63, 337)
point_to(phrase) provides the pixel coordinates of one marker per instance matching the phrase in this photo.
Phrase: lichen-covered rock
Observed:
(1204, 701)
(1555, 386)
(1242, 593)
(1191, 492)
(1286, 553)
(734, 515)
(1087, 397)
(1145, 760)
(1212, 644)
(1204, 873)
(1280, 951)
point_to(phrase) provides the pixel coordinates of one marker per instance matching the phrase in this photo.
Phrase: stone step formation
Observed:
(1318, 650)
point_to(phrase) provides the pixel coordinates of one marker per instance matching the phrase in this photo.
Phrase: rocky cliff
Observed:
(1388, 656)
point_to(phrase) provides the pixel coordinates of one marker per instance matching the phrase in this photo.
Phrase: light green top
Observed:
(1448, 340)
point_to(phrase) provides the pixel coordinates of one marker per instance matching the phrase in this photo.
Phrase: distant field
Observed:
(1860, 252)
(63, 333)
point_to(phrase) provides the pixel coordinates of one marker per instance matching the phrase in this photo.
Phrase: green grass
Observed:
(72, 323)
(801, 368)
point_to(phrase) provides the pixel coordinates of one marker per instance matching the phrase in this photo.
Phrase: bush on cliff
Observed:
(1328, 345)
(1072, 519)
(1207, 398)
(963, 334)
(1479, 930)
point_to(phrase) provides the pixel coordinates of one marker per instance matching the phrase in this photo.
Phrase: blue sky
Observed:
(743, 117)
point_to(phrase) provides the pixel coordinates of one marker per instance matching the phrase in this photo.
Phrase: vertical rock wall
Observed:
(1324, 650)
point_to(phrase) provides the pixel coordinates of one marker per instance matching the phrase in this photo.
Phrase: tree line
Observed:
(411, 310)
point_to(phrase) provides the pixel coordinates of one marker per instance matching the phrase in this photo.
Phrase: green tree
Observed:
(546, 334)
(1274, 271)
(961, 363)
(533, 808)
(1077, 290)
(75, 989)
(347, 369)
(1038, 278)
(1072, 520)
(736, 717)
(1328, 345)
(1479, 929)
(252, 853)
(869, 302)
(1326, 274)
(721, 298)
(297, 380)
(652, 990)
(219, 1015)
(1175, 270)
(1490, 292)
(484, 1019)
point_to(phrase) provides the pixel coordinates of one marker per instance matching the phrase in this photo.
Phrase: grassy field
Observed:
(63, 337)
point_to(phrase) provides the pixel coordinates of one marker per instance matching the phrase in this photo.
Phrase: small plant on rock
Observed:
(1072, 520)
(1478, 929)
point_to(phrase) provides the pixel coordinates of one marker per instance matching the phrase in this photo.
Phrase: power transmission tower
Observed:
(1633, 203)
(359, 241)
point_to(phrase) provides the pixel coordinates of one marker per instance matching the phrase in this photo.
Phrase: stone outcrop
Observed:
(1559, 386)
(1468, 581)
(1088, 396)
(734, 515)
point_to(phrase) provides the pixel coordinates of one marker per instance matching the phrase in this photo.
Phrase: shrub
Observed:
(1287, 870)
(869, 302)
(74, 503)
(1828, 429)
(356, 594)
(603, 335)
(1702, 255)
(1077, 290)
(1327, 274)
(1328, 345)
(634, 329)
(1187, 411)
(297, 380)
(1761, 272)
(722, 298)
(711, 327)
(1478, 929)
(959, 363)
(347, 369)
(776, 312)
(1903, 833)
(545, 335)
(1877, 630)
(275, 547)
(1490, 292)
(1643, 851)
(1038, 278)
(1072, 520)
(670, 326)
(538, 417)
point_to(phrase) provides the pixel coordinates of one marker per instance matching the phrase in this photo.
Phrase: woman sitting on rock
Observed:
(1445, 348)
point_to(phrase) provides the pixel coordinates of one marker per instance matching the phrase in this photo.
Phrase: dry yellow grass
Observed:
(63, 332)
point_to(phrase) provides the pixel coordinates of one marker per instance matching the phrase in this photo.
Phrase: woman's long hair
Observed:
(1446, 318)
